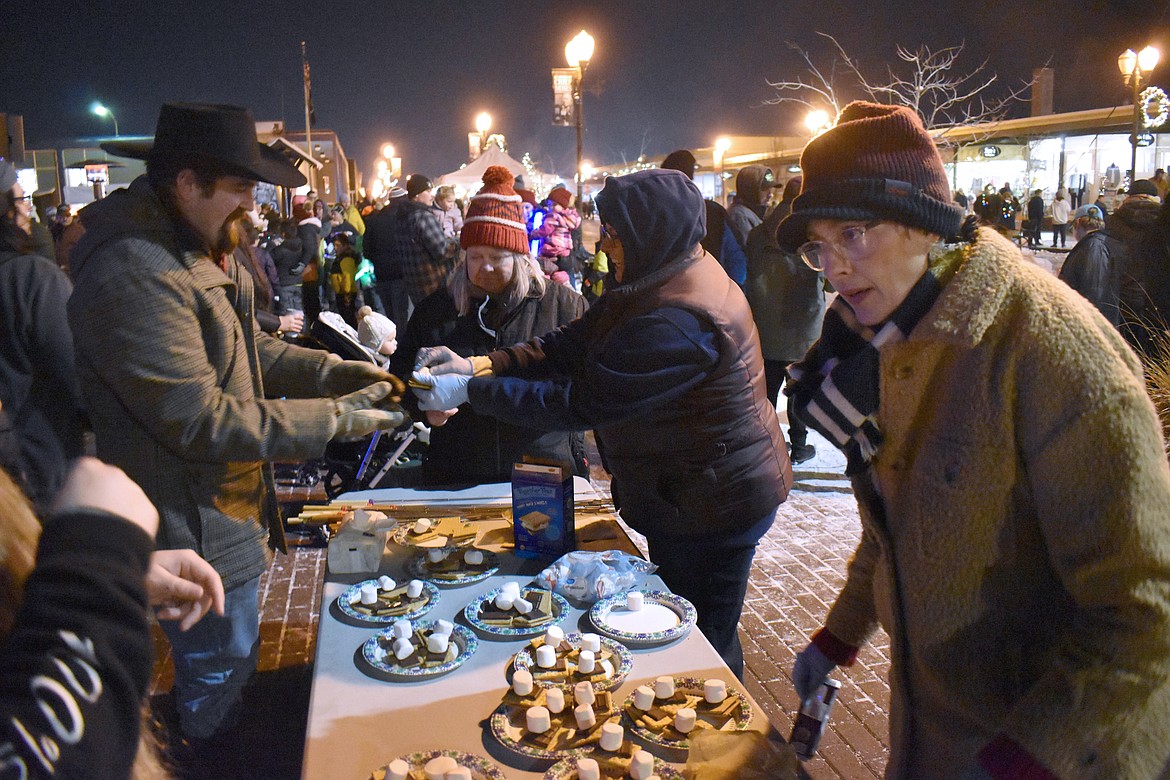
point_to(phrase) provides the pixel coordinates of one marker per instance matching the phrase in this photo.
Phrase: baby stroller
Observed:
(378, 460)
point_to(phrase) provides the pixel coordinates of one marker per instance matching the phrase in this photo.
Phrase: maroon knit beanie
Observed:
(877, 162)
(560, 196)
(495, 216)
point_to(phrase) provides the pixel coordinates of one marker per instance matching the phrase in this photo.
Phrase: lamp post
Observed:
(483, 123)
(721, 147)
(1132, 66)
(578, 52)
(103, 111)
(817, 121)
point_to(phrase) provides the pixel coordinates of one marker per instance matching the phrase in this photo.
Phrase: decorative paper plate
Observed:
(465, 643)
(445, 532)
(508, 725)
(688, 693)
(663, 618)
(567, 770)
(624, 662)
(344, 603)
(481, 768)
(560, 610)
(465, 574)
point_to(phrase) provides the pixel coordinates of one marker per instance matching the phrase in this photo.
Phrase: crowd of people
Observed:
(1008, 464)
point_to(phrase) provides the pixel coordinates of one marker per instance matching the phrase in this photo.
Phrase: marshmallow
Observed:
(554, 699)
(402, 648)
(538, 720)
(444, 627)
(714, 691)
(664, 687)
(386, 583)
(458, 773)
(587, 769)
(414, 588)
(369, 594)
(635, 599)
(437, 768)
(473, 557)
(546, 657)
(437, 643)
(437, 554)
(612, 736)
(586, 662)
(522, 682)
(401, 629)
(505, 601)
(644, 697)
(583, 693)
(584, 716)
(398, 770)
(422, 525)
(591, 642)
(642, 765)
(684, 720)
(512, 587)
(554, 636)
(523, 606)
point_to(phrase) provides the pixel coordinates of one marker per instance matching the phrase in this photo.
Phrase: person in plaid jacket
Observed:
(418, 243)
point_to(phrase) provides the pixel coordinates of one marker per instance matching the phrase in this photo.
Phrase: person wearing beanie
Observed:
(495, 297)
(682, 160)
(665, 367)
(1010, 476)
(417, 246)
(555, 234)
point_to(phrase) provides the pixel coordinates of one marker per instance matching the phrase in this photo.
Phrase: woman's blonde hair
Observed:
(526, 277)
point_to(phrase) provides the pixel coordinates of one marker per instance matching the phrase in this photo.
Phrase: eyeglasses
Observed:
(851, 242)
(22, 198)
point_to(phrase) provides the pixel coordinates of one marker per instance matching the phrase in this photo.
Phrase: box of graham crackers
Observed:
(542, 510)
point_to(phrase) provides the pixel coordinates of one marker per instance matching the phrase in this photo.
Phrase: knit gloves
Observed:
(810, 670)
(373, 408)
(339, 377)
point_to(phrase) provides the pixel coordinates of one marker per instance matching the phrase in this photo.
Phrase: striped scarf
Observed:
(835, 386)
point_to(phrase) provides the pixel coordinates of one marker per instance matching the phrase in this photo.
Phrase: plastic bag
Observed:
(590, 576)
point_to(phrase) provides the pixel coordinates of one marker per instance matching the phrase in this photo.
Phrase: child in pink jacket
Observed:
(555, 233)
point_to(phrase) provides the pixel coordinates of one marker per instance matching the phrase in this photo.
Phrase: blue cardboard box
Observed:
(542, 510)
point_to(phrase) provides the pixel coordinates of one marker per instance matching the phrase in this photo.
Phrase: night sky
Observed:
(665, 74)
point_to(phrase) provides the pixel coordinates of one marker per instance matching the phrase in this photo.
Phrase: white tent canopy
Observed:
(470, 177)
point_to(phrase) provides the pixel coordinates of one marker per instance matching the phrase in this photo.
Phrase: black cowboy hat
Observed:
(218, 133)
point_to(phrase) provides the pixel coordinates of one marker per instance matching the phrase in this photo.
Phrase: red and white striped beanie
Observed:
(495, 216)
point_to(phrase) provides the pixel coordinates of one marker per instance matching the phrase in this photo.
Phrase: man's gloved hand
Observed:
(810, 670)
(441, 360)
(358, 414)
(339, 377)
(447, 391)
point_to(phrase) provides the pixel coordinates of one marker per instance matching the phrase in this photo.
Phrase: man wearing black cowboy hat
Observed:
(178, 377)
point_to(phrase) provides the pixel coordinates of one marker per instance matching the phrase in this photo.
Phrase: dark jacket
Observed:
(478, 448)
(1129, 224)
(81, 640)
(666, 367)
(421, 249)
(287, 256)
(1091, 269)
(378, 245)
(39, 392)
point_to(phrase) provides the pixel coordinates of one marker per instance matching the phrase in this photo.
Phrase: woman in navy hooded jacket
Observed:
(666, 368)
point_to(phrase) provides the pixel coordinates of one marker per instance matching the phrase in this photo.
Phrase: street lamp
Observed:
(102, 111)
(578, 52)
(1132, 66)
(483, 123)
(388, 151)
(721, 147)
(817, 121)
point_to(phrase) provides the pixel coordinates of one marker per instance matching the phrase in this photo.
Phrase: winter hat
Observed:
(417, 184)
(495, 216)
(7, 176)
(561, 197)
(527, 196)
(1088, 210)
(680, 160)
(1143, 187)
(376, 331)
(877, 162)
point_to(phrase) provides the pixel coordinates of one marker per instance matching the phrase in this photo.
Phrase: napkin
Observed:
(739, 755)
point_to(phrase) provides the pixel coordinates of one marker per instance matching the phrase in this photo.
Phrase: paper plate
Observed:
(567, 770)
(674, 739)
(625, 661)
(663, 618)
(418, 567)
(347, 608)
(560, 610)
(508, 724)
(464, 640)
(481, 768)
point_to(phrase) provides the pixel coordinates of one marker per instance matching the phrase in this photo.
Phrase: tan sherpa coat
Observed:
(1023, 572)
